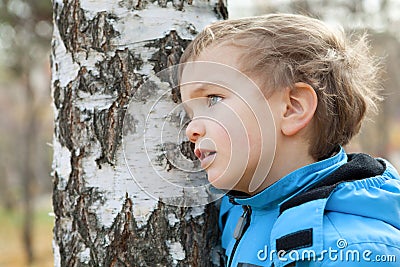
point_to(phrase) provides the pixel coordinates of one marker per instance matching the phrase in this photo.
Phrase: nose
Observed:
(195, 130)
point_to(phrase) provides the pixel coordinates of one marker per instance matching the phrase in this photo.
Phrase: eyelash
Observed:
(189, 115)
(210, 97)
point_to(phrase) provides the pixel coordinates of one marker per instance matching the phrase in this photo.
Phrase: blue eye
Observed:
(213, 99)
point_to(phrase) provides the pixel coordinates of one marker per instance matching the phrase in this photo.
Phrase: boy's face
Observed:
(232, 123)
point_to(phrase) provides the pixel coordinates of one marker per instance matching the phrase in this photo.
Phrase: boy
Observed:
(272, 100)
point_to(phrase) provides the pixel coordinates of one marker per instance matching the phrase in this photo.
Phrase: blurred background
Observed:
(26, 113)
(25, 133)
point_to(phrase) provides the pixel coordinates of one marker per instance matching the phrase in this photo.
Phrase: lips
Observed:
(203, 153)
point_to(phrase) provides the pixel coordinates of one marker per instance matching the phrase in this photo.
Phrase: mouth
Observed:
(203, 154)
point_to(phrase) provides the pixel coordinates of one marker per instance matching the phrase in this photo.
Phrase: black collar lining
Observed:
(358, 167)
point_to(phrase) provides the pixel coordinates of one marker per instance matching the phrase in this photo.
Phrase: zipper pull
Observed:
(237, 234)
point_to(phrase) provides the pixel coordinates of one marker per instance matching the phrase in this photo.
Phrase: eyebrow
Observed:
(201, 86)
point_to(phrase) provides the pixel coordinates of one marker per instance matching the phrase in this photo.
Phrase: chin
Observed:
(220, 182)
(215, 180)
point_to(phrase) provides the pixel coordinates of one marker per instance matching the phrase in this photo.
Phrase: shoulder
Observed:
(362, 220)
(352, 240)
(357, 225)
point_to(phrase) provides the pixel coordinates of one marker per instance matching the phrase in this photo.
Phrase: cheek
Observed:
(222, 139)
(232, 131)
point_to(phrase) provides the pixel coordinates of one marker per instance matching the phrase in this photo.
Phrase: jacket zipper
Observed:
(241, 227)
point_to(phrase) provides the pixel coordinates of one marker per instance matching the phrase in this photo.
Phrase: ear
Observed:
(300, 105)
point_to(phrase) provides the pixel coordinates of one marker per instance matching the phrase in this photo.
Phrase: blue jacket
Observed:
(342, 211)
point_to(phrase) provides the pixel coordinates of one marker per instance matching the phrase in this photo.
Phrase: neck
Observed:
(288, 158)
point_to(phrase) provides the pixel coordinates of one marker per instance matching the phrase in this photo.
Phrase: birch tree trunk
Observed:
(102, 52)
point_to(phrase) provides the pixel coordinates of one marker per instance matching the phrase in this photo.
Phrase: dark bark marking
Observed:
(187, 150)
(75, 182)
(71, 130)
(57, 94)
(80, 34)
(166, 152)
(194, 244)
(192, 29)
(221, 10)
(129, 246)
(162, 3)
(66, 118)
(67, 206)
(108, 130)
(134, 4)
(119, 73)
(170, 151)
(178, 4)
(145, 92)
(139, 5)
(170, 49)
(117, 77)
(142, 4)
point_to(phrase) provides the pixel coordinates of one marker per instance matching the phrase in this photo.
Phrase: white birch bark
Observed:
(102, 51)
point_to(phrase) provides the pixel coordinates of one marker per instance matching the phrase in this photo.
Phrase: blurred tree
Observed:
(102, 53)
(25, 32)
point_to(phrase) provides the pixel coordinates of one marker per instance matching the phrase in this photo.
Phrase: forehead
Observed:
(202, 76)
(216, 65)
(223, 52)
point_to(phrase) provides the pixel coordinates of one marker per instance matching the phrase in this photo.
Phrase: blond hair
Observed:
(288, 48)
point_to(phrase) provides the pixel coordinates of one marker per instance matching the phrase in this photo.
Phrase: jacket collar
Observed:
(292, 184)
